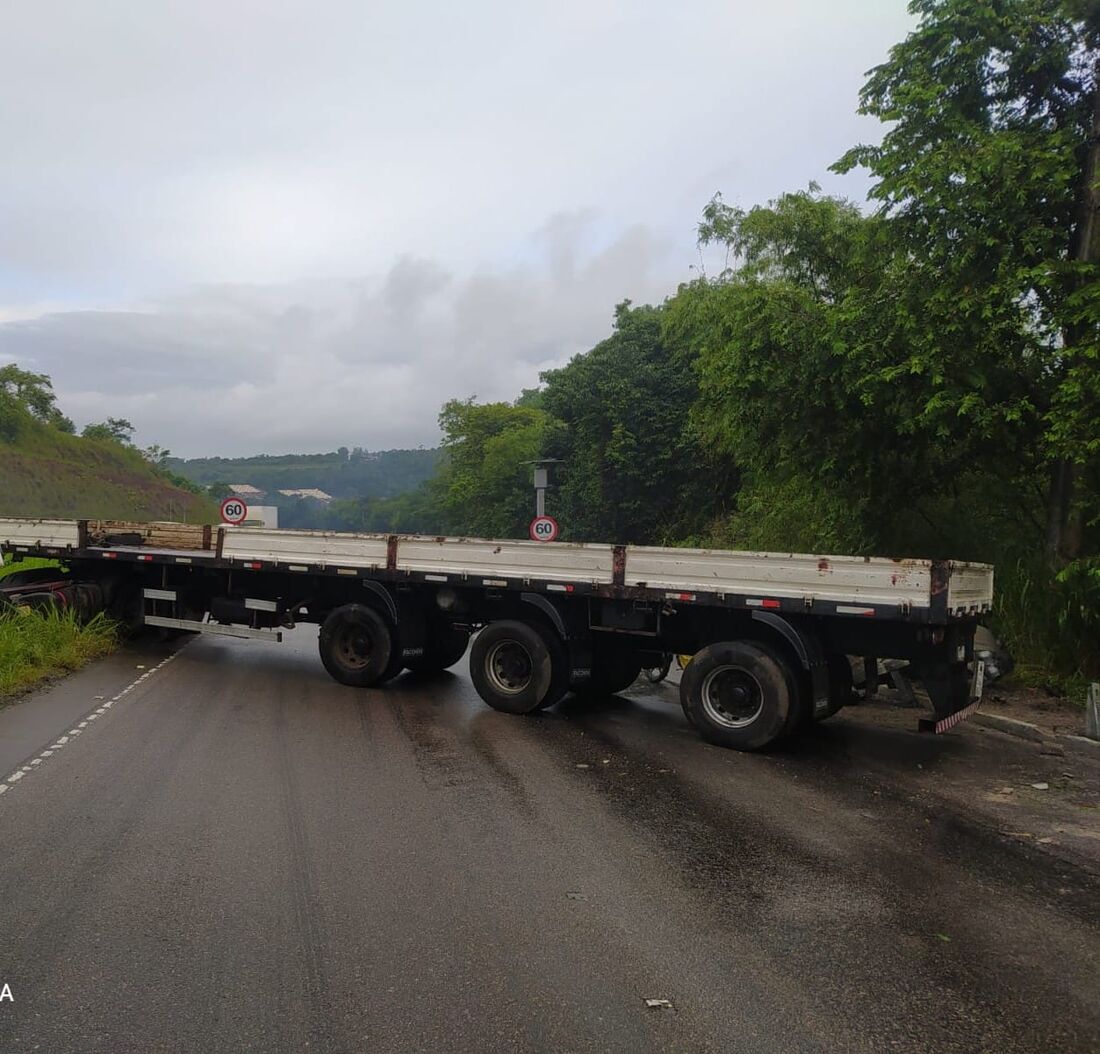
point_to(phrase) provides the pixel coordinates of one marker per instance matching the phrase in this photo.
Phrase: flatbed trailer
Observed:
(770, 633)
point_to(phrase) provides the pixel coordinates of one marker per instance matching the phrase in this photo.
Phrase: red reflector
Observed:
(110, 556)
(253, 567)
(769, 603)
(145, 559)
(569, 589)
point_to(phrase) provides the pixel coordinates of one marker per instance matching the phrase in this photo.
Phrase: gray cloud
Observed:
(320, 364)
(251, 227)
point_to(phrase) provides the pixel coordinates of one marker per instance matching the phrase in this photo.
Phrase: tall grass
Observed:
(36, 644)
(44, 472)
(1050, 622)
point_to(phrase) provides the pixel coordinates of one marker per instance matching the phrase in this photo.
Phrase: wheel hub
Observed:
(509, 667)
(355, 646)
(732, 697)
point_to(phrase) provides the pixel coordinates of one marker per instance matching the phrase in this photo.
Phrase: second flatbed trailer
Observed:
(770, 633)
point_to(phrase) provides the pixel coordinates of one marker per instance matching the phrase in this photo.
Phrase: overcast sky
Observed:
(253, 226)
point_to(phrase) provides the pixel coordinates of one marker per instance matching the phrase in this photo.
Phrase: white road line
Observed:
(18, 774)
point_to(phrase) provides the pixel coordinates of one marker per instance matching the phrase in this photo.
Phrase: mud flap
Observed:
(945, 695)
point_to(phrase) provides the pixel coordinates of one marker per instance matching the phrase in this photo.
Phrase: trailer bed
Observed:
(769, 632)
(844, 586)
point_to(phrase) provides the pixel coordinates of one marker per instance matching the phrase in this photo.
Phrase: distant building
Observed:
(262, 516)
(246, 491)
(308, 492)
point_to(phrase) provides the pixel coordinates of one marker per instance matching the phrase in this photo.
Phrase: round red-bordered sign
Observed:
(544, 529)
(234, 511)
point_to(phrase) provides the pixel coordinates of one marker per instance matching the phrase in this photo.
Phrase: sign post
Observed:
(234, 511)
(544, 528)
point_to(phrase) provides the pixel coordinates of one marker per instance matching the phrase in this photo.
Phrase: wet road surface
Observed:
(241, 855)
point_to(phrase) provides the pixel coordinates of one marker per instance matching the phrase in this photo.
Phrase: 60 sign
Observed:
(234, 511)
(544, 529)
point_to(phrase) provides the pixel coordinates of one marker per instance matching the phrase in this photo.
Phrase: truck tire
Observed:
(443, 648)
(518, 668)
(34, 576)
(356, 646)
(737, 694)
(125, 605)
(613, 671)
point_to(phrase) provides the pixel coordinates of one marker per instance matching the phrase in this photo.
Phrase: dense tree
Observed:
(632, 467)
(115, 429)
(989, 173)
(817, 363)
(31, 392)
(485, 483)
(414, 512)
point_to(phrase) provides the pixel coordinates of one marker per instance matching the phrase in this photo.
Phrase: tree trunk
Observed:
(1058, 505)
(1063, 539)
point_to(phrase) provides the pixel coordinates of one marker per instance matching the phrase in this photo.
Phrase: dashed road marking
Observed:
(9, 782)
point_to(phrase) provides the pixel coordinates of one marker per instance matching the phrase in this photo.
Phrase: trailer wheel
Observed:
(356, 646)
(34, 576)
(443, 648)
(518, 668)
(737, 694)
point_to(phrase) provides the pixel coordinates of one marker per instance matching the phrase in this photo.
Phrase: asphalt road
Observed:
(240, 855)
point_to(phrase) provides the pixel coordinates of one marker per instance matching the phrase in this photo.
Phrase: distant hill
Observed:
(45, 472)
(341, 473)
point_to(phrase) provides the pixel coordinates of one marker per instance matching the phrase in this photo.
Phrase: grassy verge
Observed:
(35, 645)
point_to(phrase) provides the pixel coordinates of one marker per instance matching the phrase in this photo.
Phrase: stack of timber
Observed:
(157, 535)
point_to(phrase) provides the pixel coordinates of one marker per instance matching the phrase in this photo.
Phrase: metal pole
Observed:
(542, 481)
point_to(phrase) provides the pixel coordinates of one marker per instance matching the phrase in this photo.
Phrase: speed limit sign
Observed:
(234, 511)
(544, 528)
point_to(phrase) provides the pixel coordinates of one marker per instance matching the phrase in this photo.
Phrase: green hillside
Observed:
(45, 472)
(342, 473)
